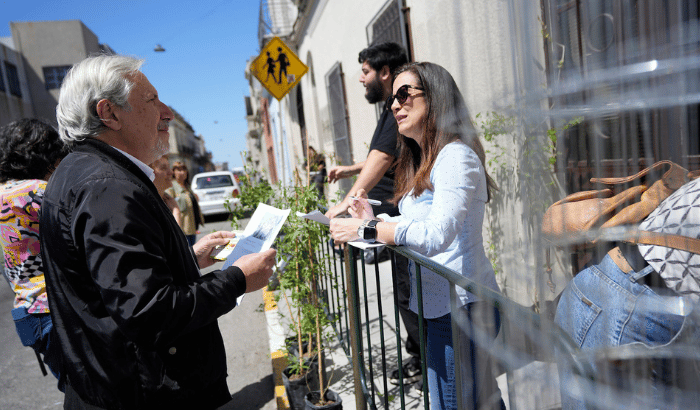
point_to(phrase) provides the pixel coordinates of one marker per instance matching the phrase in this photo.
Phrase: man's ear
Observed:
(108, 116)
(385, 74)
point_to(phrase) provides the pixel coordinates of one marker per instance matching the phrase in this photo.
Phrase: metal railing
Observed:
(526, 337)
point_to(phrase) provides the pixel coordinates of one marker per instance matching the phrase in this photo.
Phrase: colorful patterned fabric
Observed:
(19, 236)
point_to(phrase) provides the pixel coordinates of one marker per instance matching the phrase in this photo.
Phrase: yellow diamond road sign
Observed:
(278, 68)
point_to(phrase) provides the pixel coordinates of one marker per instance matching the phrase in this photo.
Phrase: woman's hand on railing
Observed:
(360, 207)
(345, 229)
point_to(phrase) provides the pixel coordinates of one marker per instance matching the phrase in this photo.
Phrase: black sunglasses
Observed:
(401, 94)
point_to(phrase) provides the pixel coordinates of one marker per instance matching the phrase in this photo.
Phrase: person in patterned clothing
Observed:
(29, 152)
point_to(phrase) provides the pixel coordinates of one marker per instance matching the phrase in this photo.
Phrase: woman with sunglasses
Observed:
(442, 188)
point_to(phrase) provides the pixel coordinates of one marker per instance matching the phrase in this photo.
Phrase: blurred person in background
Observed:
(164, 180)
(442, 189)
(190, 215)
(30, 150)
(316, 165)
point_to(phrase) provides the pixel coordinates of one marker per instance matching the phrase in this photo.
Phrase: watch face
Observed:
(367, 230)
(370, 232)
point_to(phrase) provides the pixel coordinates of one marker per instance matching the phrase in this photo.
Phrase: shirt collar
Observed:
(145, 168)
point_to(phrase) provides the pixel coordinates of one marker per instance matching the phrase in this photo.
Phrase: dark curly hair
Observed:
(29, 149)
(379, 55)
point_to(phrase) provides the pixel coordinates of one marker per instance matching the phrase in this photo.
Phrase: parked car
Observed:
(237, 172)
(214, 189)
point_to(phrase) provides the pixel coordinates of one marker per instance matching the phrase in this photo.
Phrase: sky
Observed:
(201, 73)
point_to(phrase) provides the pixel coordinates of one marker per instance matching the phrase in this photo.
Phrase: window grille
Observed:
(590, 39)
(386, 26)
(339, 119)
(2, 80)
(53, 76)
(13, 79)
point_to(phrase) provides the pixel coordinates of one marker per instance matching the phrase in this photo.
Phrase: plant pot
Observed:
(292, 344)
(311, 400)
(298, 387)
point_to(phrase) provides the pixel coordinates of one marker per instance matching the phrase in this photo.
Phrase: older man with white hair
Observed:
(136, 322)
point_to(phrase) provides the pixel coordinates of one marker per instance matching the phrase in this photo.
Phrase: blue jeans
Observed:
(605, 307)
(479, 387)
(34, 331)
(191, 239)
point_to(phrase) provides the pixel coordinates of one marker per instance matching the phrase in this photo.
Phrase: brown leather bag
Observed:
(606, 208)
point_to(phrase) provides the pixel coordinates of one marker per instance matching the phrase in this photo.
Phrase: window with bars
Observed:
(386, 26)
(390, 25)
(53, 76)
(13, 79)
(2, 80)
(626, 64)
(335, 84)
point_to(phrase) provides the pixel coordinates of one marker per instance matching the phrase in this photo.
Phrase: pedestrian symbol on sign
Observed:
(283, 61)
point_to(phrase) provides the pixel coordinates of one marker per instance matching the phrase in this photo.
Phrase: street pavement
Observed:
(244, 330)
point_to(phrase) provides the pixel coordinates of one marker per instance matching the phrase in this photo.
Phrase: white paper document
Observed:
(315, 216)
(362, 244)
(260, 233)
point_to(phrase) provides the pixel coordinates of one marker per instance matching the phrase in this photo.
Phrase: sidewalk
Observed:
(534, 386)
(250, 377)
(337, 364)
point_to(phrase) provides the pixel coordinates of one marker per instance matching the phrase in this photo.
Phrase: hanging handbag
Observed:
(581, 212)
(606, 208)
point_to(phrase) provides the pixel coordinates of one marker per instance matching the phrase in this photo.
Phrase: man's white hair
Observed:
(93, 79)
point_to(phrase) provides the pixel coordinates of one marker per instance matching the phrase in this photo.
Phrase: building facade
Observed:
(49, 49)
(186, 146)
(15, 99)
(562, 91)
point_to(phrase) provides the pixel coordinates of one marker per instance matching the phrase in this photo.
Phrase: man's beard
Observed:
(374, 92)
(161, 148)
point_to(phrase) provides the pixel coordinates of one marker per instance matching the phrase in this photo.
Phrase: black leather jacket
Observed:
(136, 323)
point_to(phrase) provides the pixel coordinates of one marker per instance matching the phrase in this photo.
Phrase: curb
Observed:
(278, 354)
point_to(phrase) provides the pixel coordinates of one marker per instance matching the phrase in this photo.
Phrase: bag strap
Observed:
(680, 242)
(624, 180)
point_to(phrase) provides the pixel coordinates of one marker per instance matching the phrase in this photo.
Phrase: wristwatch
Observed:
(368, 230)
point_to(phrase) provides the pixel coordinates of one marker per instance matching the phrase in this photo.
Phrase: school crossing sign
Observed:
(278, 68)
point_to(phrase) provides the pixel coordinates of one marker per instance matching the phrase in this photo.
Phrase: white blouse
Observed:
(445, 225)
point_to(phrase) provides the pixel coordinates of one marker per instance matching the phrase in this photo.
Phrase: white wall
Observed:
(328, 42)
(493, 49)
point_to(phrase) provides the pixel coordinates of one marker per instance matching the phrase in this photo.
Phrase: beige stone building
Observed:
(49, 49)
(15, 99)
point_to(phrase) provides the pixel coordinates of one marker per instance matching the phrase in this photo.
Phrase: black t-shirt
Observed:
(384, 140)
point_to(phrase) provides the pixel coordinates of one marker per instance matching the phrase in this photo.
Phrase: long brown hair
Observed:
(447, 120)
(181, 165)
